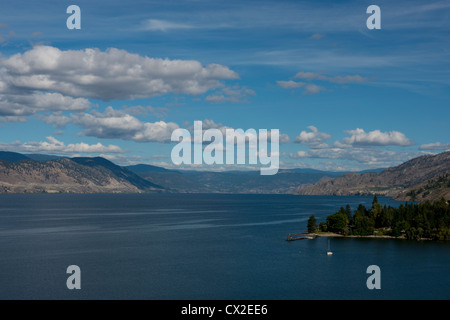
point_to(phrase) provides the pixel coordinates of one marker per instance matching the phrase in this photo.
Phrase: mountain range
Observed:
(37, 173)
(187, 181)
(422, 178)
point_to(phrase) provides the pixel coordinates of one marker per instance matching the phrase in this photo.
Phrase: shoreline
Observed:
(337, 235)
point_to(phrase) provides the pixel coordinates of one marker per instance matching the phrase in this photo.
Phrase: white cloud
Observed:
(210, 124)
(107, 75)
(56, 119)
(361, 148)
(233, 94)
(368, 156)
(313, 138)
(376, 138)
(158, 112)
(291, 84)
(114, 124)
(118, 124)
(435, 146)
(310, 88)
(4, 119)
(299, 155)
(31, 103)
(313, 88)
(52, 145)
(158, 131)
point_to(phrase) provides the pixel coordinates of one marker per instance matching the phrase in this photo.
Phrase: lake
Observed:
(202, 246)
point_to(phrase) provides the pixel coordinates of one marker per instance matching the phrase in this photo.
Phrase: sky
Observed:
(344, 97)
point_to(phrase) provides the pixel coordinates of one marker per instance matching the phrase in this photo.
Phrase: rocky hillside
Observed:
(432, 189)
(76, 175)
(390, 182)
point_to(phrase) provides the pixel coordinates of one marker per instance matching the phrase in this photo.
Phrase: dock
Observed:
(300, 236)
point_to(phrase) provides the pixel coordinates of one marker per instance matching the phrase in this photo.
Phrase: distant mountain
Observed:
(77, 175)
(309, 170)
(285, 181)
(43, 157)
(331, 173)
(12, 156)
(389, 182)
(145, 168)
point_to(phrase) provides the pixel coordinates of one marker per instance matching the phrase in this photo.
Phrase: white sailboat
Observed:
(329, 252)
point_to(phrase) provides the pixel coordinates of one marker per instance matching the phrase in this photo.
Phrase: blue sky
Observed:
(344, 97)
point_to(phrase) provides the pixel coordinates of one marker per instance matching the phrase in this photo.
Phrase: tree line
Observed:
(428, 220)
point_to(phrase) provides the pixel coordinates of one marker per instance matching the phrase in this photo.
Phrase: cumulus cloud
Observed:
(117, 124)
(5, 119)
(299, 155)
(364, 148)
(52, 145)
(435, 146)
(367, 156)
(57, 119)
(376, 138)
(314, 138)
(28, 104)
(234, 94)
(210, 124)
(158, 112)
(107, 75)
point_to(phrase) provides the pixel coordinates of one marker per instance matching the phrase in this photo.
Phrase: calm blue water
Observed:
(202, 247)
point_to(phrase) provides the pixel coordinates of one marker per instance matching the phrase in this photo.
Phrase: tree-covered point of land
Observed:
(428, 220)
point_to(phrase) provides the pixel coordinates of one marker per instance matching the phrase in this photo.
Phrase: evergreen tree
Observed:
(348, 212)
(375, 200)
(312, 224)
